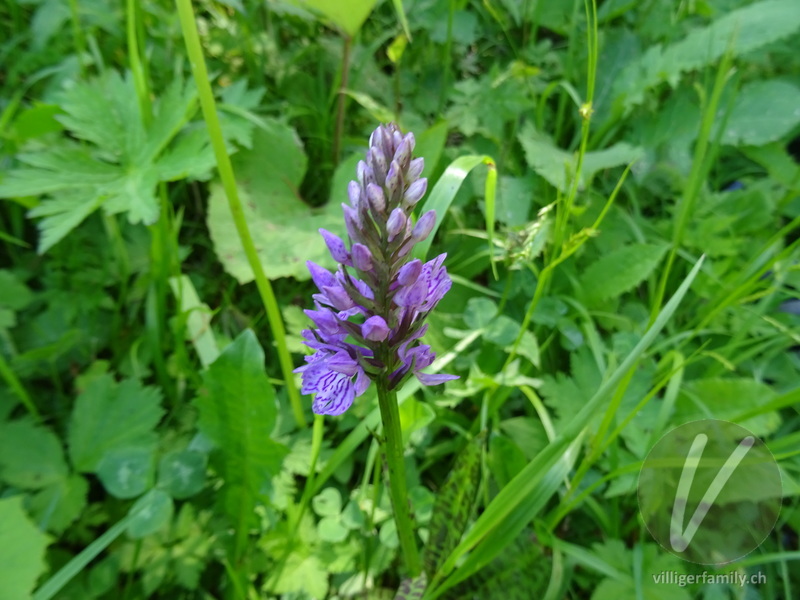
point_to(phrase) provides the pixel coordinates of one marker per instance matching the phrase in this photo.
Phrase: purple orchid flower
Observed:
(377, 298)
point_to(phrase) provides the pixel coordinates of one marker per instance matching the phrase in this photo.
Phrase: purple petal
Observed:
(409, 272)
(415, 168)
(335, 246)
(321, 277)
(428, 379)
(415, 192)
(375, 329)
(424, 226)
(354, 193)
(376, 198)
(338, 297)
(396, 223)
(336, 394)
(362, 257)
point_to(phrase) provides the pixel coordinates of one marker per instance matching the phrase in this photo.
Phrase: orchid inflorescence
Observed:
(378, 297)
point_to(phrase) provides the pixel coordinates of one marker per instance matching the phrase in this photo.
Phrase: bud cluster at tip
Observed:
(377, 298)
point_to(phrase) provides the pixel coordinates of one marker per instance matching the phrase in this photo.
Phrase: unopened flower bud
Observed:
(375, 329)
(354, 193)
(335, 246)
(424, 226)
(338, 297)
(362, 257)
(409, 272)
(415, 192)
(376, 198)
(394, 181)
(415, 168)
(396, 223)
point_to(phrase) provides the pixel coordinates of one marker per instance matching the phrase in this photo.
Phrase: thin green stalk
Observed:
(701, 164)
(393, 435)
(341, 99)
(18, 388)
(208, 106)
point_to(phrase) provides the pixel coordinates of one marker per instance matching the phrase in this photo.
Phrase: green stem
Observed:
(19, 389)
(208, 105)
(397, 476)
(340, 100)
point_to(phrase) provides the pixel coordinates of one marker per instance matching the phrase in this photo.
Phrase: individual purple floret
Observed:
(370, 314)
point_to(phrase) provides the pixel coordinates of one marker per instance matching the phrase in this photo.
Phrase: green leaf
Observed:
(61, 215)
(720, 398)
(764, 111)
(558, 166)
(22, 551)
(182, 473)
(453, 506)
(739, 31)
(443, 194)
(284, 229)
(328, 503)
(237, 411)
(331, 529)
(620, 270)
(412, 589)
(31, 456)
(108, 416)
(150, 513)
(59, 504)
(127, 472)
(479, 312)
(347, 15)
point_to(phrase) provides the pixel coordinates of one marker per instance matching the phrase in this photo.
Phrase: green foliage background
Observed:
(617, 188)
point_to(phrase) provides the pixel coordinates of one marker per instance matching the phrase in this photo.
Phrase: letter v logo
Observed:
(679, 537)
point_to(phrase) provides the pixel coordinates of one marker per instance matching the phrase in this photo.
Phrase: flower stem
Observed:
(208, 106)
(397, 476)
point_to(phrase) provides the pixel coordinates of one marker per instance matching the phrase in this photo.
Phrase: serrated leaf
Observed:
(237, 411)
(453, 506)
(725, 398)
(620, 270)
(59, 504)
(22, 551)
(150, 513)
(182, 473)
(109, 416)
(31, 456)
(284, 229)
(739, 31)
(127, 472)
(558, 166)
(764, 111)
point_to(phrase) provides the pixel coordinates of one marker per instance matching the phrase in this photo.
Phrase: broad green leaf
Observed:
(31, 456)
(328, 503)
(22, 551)
(764, 111)
(237, 411)
(443, 194)
(108, 416)
(742, 30)
(121, 161)
(284, 229)
(479, 312)
(453, 507)
(558, 166)
(723, 399)
(347, 15)
(303, 574)
(59, 504)
(182, 473)
(127, 472)
(331, 529)
(150, 513)
(412, 589)
(620, 270)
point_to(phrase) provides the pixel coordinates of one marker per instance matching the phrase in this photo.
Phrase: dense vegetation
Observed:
(619, 194)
